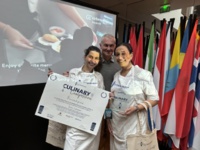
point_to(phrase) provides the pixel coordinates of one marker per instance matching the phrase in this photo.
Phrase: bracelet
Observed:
(137, 108)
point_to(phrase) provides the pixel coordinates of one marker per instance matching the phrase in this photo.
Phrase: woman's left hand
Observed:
(129, 110)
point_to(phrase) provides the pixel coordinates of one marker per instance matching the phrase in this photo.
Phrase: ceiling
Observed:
(139, 11)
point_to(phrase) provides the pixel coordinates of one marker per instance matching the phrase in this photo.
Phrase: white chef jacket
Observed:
(136, 87)
(77, 139)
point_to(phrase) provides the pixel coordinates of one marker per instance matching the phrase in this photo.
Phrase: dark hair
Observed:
(127, 45)
(96, 49)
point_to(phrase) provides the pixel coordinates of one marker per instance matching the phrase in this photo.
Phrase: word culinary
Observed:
(120, 98)
(77, 91)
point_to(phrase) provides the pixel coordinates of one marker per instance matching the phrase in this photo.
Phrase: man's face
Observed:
(107, 46)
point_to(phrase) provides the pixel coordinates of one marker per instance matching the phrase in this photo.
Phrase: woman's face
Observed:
(92, 60)
(123, 56)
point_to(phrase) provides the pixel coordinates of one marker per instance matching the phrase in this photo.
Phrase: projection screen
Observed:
(39, 34)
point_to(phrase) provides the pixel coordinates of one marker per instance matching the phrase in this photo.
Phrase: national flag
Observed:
(196, 143)
(158, 75)
(167, 57)
(173, 42)
(185, 41)
(188, 124)
(168, 112)
(149, 63)
(125, 33)
(171, 77)
(139, 51)
(194, 136)
(166, 62)
(133, 41)
(180, 96)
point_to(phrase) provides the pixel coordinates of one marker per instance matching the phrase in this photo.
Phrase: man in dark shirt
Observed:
(109, 68)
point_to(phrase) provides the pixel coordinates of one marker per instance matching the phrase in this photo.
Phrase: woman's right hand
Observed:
(50, 72)
(66, 73)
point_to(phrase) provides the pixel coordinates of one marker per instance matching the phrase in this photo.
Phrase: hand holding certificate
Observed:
(73, 103)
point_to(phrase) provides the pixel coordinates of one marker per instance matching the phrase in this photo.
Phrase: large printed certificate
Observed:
(71, 103)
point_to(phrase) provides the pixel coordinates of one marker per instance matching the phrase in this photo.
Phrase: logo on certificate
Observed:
(40, 109)
(93, 126)
(103, 95)
(53, 77)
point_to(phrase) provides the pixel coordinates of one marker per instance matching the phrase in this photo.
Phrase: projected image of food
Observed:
(34, 37)
(57, 31)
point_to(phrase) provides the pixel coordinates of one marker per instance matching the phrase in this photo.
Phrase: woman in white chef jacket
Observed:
(131, 86)
(75, 138)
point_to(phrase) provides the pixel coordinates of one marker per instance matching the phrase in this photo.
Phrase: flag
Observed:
(166, 62)
(139, 51)
(194, 136)
(132, 41)
(158, 75)
(168, 112)
(171, 77)
(173, 42)
(125, 33)
(151, 51)
(185, 42)
(180, 96)
(188, 124)
(167, 57)
(196, 143)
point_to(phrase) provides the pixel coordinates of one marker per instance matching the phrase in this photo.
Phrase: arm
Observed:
(72, 13)
(139, 107)
(15, 37)
(150, 91)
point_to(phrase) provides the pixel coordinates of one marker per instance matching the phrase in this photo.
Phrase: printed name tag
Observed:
(121, 101)
(108, 113)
